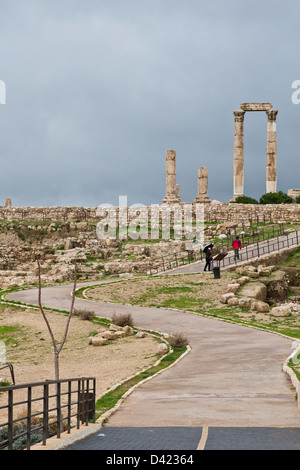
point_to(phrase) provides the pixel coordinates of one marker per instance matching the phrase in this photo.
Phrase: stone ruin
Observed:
(238, 167)
(172, 188)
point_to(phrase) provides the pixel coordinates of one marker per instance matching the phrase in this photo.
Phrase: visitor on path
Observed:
(208, 256)
(236, 245)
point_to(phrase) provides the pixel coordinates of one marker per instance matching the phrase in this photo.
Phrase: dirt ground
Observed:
(29, 349)
(154, 291)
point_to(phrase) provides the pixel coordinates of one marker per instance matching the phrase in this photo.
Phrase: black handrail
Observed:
(58, 401)
(171, 261)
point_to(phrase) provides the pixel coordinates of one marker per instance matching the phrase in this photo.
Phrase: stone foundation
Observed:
(219, 212)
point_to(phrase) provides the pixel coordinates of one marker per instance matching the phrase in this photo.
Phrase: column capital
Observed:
(239, 116)
(272, 115)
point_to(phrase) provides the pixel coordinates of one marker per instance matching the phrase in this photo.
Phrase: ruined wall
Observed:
(223, 212)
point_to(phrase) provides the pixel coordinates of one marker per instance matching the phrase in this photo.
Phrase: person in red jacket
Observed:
(236, 245)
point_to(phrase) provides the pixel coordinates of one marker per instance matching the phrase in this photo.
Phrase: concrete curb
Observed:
(292, 375)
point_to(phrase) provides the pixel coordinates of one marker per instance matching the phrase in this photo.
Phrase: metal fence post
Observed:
(28, 417)
(45, 413)
(10, 420)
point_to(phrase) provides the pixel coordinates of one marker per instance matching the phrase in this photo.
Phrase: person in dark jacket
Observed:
(236, 245)
(208, 257)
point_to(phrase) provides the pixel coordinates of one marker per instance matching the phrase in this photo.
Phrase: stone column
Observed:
(271, 177)
(238, 166)
(172, 189)
(8, 204)
(202, 185)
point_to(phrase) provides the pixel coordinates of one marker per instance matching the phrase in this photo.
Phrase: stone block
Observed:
(260, 306)
(254, 290)
(111, 335)
(162, 349)
(128, 330)
(233, 301)
(245, 302)
(98, 341)
(233, 288)
(225, 297)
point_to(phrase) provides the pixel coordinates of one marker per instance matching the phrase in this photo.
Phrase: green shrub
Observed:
(245, 200)
(276, 198)
(297, 200)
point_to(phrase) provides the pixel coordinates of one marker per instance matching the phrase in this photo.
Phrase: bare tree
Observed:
(57, 349)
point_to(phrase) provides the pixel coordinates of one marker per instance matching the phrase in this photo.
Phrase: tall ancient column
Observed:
(238, 166)
(271, 177)
(202, 196)
(172, 189)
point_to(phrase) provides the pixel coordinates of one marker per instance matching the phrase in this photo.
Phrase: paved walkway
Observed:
(232, 378)
(285, 242)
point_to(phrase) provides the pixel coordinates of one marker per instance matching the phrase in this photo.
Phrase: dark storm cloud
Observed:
(97, 91)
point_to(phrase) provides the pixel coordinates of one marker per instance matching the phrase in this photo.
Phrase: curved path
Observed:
(232, 377)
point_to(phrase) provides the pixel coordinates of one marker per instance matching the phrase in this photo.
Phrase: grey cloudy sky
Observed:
(98, 90)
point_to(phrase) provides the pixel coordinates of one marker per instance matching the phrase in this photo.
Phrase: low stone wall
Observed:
(214, 212)
(230, 212)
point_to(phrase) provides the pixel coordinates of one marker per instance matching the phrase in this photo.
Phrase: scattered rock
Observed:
(233, 288)
(260, 306)
(140, 334)
(120, 334)
(278, 286)
(233, 301)
(254, 290)
(281, 311)
(115, 327)
(162, 349)
(225, 297)
(128, 330)
(242, 280)
(245, 302)
(97, 341)
(111, 335)
(286, 309)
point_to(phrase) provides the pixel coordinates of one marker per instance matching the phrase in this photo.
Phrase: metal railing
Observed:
(34, 412)
(182, 258)
(261, 249)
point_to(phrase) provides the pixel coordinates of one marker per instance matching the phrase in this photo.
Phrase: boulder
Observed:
(97, 341)
(233, 288)
(242, 280)
(69, 244)
(120, 334)
(128, 330)
(245, 302)
(255, 290)
(162, 349)
(225, 297)
(140, 334)
(260, 306)
(115, 327)
(111, 335)
(278, 286)
(281, 311)
(233, 301)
